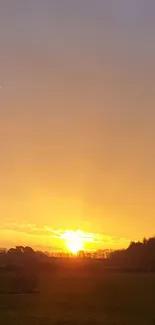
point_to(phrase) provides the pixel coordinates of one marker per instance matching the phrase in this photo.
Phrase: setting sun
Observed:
(74, 241)
(74, 246)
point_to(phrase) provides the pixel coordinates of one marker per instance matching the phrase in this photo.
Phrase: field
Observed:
(78, 298)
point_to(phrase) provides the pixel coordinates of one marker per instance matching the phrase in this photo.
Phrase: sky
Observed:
(77, 117)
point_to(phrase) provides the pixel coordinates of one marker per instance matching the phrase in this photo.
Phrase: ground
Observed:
(110, 299)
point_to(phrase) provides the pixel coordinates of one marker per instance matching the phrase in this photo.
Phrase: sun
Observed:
(74, 241)
(74, 247)
(78, 240)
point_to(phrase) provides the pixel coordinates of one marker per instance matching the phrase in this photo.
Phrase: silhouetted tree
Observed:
(25, 262)
(139, 256)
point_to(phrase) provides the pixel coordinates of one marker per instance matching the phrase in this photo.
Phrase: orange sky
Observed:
(76, 120)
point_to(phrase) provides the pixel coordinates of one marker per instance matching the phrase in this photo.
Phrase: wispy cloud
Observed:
(33, 229)
(47, 231)
(26, 228)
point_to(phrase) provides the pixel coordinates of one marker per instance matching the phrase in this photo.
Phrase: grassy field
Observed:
(83, 299)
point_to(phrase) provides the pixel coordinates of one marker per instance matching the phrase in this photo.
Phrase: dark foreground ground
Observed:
(75, 298)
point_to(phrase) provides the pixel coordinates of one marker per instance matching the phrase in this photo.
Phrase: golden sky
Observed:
(77, 116)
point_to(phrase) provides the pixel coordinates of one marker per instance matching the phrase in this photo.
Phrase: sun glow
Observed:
(74, 247)
(75, 240)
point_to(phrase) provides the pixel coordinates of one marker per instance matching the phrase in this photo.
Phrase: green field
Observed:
(83, 299)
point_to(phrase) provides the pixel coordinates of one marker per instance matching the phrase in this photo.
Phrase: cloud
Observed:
(33, 229)
(27, 228)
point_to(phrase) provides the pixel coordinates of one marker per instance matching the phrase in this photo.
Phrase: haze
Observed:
(77, 120)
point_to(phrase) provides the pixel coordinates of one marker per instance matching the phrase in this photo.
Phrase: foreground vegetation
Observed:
(83, 298)
(111, 288)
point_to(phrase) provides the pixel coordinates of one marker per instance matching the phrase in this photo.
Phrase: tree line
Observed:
(139, 256)
(20, 267)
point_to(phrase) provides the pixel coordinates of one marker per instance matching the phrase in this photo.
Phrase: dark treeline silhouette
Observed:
(139, 256)
(20, 268)
(23, 264)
